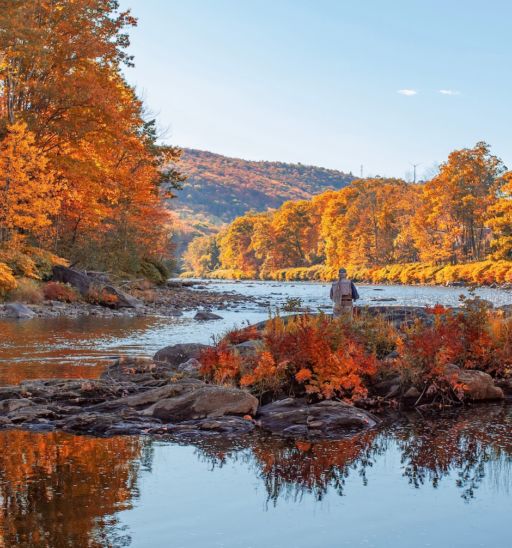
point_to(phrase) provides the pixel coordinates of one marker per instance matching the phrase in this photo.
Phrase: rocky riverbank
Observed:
(163, 396)
(129, 299)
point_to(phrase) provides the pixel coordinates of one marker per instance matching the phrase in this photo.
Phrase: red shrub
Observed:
(56, 291)
(238, 336)
(220, 364)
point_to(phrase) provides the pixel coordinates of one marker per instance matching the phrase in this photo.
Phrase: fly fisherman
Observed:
(343, 294)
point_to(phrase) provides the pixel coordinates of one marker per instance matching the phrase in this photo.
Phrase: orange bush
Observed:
(313, 355)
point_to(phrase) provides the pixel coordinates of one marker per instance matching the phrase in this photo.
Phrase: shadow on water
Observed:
(57, 489)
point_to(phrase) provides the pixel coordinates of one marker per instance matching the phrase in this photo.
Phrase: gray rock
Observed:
(477, 385)
(191, 367)
(248, 348)
(206, 315)
(8, 406)
(205, 401)
(412, 393)
(123, 300)
(19, 311)
(177, 354)
(79, 280)
(327, 419)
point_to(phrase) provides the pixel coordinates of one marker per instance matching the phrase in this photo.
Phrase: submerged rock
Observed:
(327, 419)
(206, 315)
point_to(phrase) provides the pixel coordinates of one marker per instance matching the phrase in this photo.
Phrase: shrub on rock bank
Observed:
(331, 358)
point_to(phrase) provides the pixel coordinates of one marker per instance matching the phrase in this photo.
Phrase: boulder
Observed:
(122, 299)
(505, 385)
(190, 367)
(248, 348)
(177, 354)
(327, 419)
(18, 311)
(206, 315)
(207, 400)
(477, 385)
(76, 278)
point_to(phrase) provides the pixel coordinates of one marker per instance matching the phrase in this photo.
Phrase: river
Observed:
(443, 482)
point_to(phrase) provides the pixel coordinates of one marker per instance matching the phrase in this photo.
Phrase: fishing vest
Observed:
(342, 291)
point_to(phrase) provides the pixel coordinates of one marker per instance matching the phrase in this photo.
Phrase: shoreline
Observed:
(460, 284)
(166, 301)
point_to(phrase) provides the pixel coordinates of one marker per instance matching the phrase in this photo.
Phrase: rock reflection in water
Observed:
(62, 490)
(462, 445)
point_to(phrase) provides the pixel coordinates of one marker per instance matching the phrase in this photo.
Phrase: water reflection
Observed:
(58, 490)
(62, 490)
(465, 446)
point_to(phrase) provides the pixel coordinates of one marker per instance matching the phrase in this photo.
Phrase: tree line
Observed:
(81, 173)
(461, 216)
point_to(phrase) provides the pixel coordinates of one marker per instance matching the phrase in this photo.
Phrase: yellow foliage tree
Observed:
(29, 194)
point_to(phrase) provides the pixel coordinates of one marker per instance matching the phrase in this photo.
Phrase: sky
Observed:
(339, 84)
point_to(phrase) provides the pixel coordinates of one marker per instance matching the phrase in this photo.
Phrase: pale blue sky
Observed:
(317, 81)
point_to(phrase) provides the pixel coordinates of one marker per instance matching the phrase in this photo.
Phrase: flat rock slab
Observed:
(324, 420)
(204, 401)
(133, 396)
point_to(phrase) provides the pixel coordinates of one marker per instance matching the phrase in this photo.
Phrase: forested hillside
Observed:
(218, 189)
(457, 226)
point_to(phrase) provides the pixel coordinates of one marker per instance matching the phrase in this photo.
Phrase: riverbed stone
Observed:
(294, 417)
(177, 354)
(18, 311)
(121, 298)
(206, 315)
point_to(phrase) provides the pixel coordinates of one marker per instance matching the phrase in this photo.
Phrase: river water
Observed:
(421, 482)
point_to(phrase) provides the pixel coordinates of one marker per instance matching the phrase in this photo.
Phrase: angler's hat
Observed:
(342, 271)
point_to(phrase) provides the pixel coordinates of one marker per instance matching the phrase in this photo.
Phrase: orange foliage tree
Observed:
(60, 74)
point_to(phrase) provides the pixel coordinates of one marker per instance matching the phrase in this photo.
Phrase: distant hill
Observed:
(219, 188)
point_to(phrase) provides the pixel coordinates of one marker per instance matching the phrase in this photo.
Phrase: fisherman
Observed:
(343, 294)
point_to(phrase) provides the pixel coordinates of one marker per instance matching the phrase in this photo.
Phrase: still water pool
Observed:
(443, 482)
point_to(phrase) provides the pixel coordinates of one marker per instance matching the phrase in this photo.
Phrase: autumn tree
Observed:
(450, 225)
(202, 255)
(500, 220)
(295, 233)
(29, 193)
(366, 223)
(60, 73)
(236, 251)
